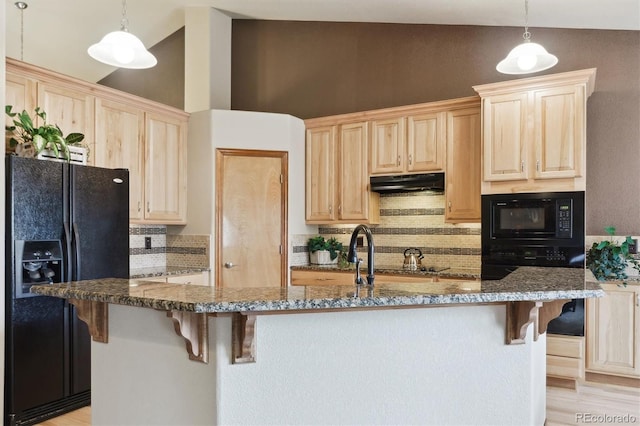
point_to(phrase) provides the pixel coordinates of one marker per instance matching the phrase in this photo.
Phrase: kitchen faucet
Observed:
(352, 256)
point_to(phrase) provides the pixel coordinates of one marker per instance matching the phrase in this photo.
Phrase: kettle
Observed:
(412, 259)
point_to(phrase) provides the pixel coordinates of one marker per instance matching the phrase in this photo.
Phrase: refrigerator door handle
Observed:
(67, 248)
(76, 252)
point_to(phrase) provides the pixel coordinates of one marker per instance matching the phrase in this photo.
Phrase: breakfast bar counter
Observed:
(431, 353)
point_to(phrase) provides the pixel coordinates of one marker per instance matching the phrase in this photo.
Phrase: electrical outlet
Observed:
(360, 241)
(633, 248)
(147, 242)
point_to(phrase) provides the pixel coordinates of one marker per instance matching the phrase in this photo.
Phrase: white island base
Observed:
(446, 365)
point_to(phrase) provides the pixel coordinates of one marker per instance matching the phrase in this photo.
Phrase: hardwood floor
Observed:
(587, 404)
(79, 417)
(593, 403)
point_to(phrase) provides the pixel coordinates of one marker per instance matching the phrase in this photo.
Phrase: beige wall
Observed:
(311, 69)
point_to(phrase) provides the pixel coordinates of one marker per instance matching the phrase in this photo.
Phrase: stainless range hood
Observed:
(408, 183)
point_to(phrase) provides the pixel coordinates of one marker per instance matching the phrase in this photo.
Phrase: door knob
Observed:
(229, 265)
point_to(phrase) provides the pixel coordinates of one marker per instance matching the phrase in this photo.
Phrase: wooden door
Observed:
(426, 142)
(72, 110)
(463, 166)
(251, 218)
(505, 137)
(559, 139)
(353, 198)
(321, 153)
(613, 331)
(119, 133)
(388, 154)
(165, 179)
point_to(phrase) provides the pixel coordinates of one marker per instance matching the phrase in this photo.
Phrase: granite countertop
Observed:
(162, 271)
(525, 284)
(470, 273)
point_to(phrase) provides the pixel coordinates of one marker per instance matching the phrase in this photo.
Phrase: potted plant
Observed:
(608, 260)
(324, 252)
(29, 140)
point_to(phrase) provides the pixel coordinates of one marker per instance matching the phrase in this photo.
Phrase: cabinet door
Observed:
(119, 133)
(165, 181)
(321, 178)
(388, 153)
(353, 197)
(201, 278)
(21, 95)
(463, 166)
(72, 110)
(426, 142)
(559, 132)
(505, 137)
(612, 333)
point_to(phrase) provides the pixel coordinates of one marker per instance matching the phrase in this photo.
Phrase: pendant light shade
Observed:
(122, 49)
(527, 57)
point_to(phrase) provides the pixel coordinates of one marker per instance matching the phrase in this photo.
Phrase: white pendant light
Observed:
(121, 48)
(527, 57)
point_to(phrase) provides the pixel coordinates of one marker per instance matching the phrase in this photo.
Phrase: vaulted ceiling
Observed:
(56, 33)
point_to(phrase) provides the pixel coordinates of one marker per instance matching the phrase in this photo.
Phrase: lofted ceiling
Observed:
(57, 33)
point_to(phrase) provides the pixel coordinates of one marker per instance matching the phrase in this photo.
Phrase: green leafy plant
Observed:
(31, 139)
(608, 259)
(333, 246)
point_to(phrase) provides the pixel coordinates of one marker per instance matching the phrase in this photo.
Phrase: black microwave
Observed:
(532, 229)
(534, 217)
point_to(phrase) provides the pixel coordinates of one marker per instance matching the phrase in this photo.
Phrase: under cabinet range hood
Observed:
(408, 183)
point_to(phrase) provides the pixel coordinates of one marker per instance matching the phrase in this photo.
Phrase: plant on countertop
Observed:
(333, 246)
(609, 259)
(30, 140)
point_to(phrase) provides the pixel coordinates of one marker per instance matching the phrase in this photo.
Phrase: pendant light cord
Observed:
(124, 23)
(22, 6)
(527, 35)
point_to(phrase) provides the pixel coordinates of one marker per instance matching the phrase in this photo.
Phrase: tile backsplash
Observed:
(166, 250)
(409, 220)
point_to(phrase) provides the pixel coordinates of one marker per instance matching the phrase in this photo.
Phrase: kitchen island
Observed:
(432, 353)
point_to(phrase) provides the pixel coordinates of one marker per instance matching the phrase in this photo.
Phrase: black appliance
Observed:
(64, 223)
(408, 183)
(534, 229)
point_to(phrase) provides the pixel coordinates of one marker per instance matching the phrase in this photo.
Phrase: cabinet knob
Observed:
(339, 208)
(410, 159)
(537, 165)
(449, 204)
(139, 207)
(330, 209)
(398, 160)
(148, 207)
(229, 265)
(522, 166)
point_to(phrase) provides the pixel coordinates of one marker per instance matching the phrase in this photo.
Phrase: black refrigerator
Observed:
(64, 223)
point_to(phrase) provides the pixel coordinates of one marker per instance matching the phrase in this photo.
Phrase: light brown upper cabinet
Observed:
(337, 175)
(462, 193)
(68, 106)
(415, 143)
(343, 151)
(534, 133)
(119, 143)
(122, 131)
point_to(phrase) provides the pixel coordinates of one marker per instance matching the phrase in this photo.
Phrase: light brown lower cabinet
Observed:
(313, 277)
(200, 278)
(565, 360)
(613, 331)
